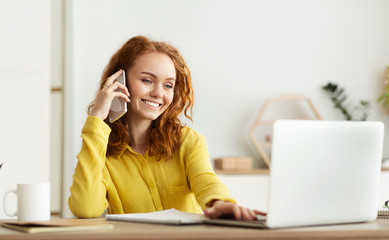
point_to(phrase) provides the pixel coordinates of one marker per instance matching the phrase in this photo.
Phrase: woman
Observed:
(147, 160)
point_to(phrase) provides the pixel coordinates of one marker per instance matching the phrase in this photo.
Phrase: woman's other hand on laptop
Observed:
(222, 209)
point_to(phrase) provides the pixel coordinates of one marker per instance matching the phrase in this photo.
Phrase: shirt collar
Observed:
(132, 151)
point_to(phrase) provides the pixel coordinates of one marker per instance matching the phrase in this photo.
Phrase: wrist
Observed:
(96, 114)
(215, 202)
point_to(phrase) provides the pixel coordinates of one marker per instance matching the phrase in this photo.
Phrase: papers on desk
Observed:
(55, 225)
(170, 216)
(176, 217)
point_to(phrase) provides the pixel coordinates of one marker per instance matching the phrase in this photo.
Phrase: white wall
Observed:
(56, 102)
(239, 52)
(24, 94)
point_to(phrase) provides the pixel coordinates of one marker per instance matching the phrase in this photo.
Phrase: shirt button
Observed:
(152, 185)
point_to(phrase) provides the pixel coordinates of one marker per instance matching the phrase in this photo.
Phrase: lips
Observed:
(151, 104)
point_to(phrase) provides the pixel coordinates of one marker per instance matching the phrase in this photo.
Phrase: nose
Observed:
(157, 91)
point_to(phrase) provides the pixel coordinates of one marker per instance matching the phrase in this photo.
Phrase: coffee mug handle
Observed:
(5, 209)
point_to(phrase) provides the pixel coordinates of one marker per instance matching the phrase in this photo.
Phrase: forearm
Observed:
(205, 184)
(208, 189)
(88, 191)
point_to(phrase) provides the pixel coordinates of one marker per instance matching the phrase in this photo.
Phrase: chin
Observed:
(152, 118)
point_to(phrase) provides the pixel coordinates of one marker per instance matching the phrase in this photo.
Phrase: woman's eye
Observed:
(169, 86)
(147, 81)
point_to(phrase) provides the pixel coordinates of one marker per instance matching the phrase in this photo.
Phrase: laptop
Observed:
(322, 172)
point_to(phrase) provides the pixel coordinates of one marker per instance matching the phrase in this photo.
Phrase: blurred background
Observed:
(240, 52)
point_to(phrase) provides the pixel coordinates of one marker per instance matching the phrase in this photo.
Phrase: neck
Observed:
(139, 132)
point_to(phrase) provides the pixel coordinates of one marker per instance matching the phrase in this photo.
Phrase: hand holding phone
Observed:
(119, 105)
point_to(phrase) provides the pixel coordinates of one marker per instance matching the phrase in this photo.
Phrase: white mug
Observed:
(33, 202)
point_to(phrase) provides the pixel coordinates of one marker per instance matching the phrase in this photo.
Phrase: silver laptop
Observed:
(322, 172)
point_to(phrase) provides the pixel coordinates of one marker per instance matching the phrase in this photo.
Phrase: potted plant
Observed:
(384, 98)
(350, 110)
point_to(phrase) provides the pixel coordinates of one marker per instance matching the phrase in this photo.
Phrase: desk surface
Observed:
(125, 230)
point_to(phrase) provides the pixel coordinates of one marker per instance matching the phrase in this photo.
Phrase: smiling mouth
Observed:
(151, 104)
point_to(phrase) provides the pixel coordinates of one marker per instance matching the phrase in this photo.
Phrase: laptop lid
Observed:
(324, 172)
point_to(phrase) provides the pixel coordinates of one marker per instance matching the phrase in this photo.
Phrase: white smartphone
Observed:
(118, 106)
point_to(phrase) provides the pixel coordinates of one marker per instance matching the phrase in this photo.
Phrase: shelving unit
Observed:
(261, 145)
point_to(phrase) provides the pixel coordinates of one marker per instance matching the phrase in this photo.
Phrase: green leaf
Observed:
(386, 102)
(364, 103)
(343, 99)
(383, 96)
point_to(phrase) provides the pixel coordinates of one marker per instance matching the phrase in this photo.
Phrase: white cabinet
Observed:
(249, 190)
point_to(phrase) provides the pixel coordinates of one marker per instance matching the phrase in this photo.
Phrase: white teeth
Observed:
(153, 104)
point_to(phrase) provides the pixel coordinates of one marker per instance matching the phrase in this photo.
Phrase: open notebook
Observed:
(170, 216)
(177, 217)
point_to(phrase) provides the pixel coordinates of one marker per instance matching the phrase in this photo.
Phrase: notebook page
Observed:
(170, 216)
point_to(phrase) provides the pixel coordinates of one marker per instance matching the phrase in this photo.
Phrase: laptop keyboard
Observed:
(259, 223)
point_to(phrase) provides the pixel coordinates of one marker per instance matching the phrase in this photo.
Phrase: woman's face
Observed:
(151, 83)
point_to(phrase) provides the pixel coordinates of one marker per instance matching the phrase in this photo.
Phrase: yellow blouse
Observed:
(133, 183)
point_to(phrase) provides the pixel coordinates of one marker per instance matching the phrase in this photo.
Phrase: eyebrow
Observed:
(155, 76)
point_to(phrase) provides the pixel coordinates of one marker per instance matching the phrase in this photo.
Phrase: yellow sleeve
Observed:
(88, 191)
(203, 181)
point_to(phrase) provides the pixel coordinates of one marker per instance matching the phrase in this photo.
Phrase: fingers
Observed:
(236, 211)
(114, 86)
(110, 90)
(113, 77)
(252, 214)
(211, 213)
(122, 95)
(218, 209)
(216, 212)
(246, 215)
(117, 85)
(257, 212)
(223, 209)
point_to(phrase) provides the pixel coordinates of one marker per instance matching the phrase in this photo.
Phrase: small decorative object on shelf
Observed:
(384, 98)
(383, 213)
(261, 145)
(351, 111)
(233, 163)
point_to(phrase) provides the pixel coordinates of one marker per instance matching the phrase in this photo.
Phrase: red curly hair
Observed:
(166, 129)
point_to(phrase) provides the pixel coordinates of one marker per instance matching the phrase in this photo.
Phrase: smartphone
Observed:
(119, 105)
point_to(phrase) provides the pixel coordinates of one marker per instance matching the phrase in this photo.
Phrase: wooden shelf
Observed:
(265, 144)
(259, 146)
(243, 172)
